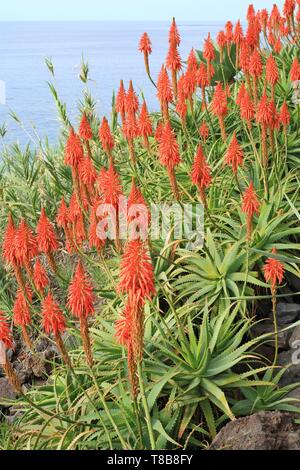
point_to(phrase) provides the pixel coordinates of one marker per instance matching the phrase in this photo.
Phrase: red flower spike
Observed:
(209, 50)
(289, 8)
(110, 186)
(132, 101)
(62, 218)
(123, 327)
(80, 294)
(255, 64)
(74, 150)
(251, 203)
(21, 309)
(25, 244)
(241, 94)
(247, 108)
(229, 32)
(144, 123)
(158, 131)
(53, 318)
(87, 173)
(121, 100)
(145, 44)
(234, 155)
(137, 275)
(272, 74)
(219, 101)
(130, 127)
(204, 131)
(238, 34)
(201, 172)
(46, 237)
(40, 277)
(173, 61)
(274, 271)
(250, 207)
(264, 113)
(168, 149)
(164, 90)
(85, 130)
(174, 36)
(284, 115)
(295, 70)
(106, 138)
(5, 333)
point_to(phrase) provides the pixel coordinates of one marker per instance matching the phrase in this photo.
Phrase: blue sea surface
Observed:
(111, 48)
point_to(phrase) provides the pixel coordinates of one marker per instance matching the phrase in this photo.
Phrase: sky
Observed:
(74, 10)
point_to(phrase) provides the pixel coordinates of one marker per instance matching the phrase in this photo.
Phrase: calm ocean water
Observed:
(109, 47)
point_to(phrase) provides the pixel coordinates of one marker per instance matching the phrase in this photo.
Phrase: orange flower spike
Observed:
(201, 174)
(85, 130)
(21, 314)
(255, 69)
(209, 55)
(238, 34)
(53, 318)
(145, 47)
(132, 101)
(173, 63)
(221, 41)
(121, 101)
(136, 273)
(40, 277)
(81, 305)
(250, 207)
(204, 131)
(159, 131)
(106, 138)
(247, 109)
(25, 246)
(169, 149)
(174, 36)
(62, 218)
(288, 9)
(284, 116)
(295, 70)
(272, 74)
(87, 173)
(74, 150)
(46, 237)
(123, 327)
(164, 92)
(274, 272)
(234, 155)
(219, 107)
(53, 322)
(5, 333)
(241, 93)
(145, 124)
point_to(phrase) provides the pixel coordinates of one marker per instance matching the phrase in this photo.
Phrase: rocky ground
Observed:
(263, 431)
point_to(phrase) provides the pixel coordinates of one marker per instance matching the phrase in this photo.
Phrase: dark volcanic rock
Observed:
(262, 431)
(6, 390)
(287, 313)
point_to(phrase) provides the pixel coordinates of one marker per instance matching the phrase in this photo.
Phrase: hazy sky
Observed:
(198, 10)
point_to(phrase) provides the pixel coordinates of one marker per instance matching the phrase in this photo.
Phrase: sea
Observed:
(111, 50)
